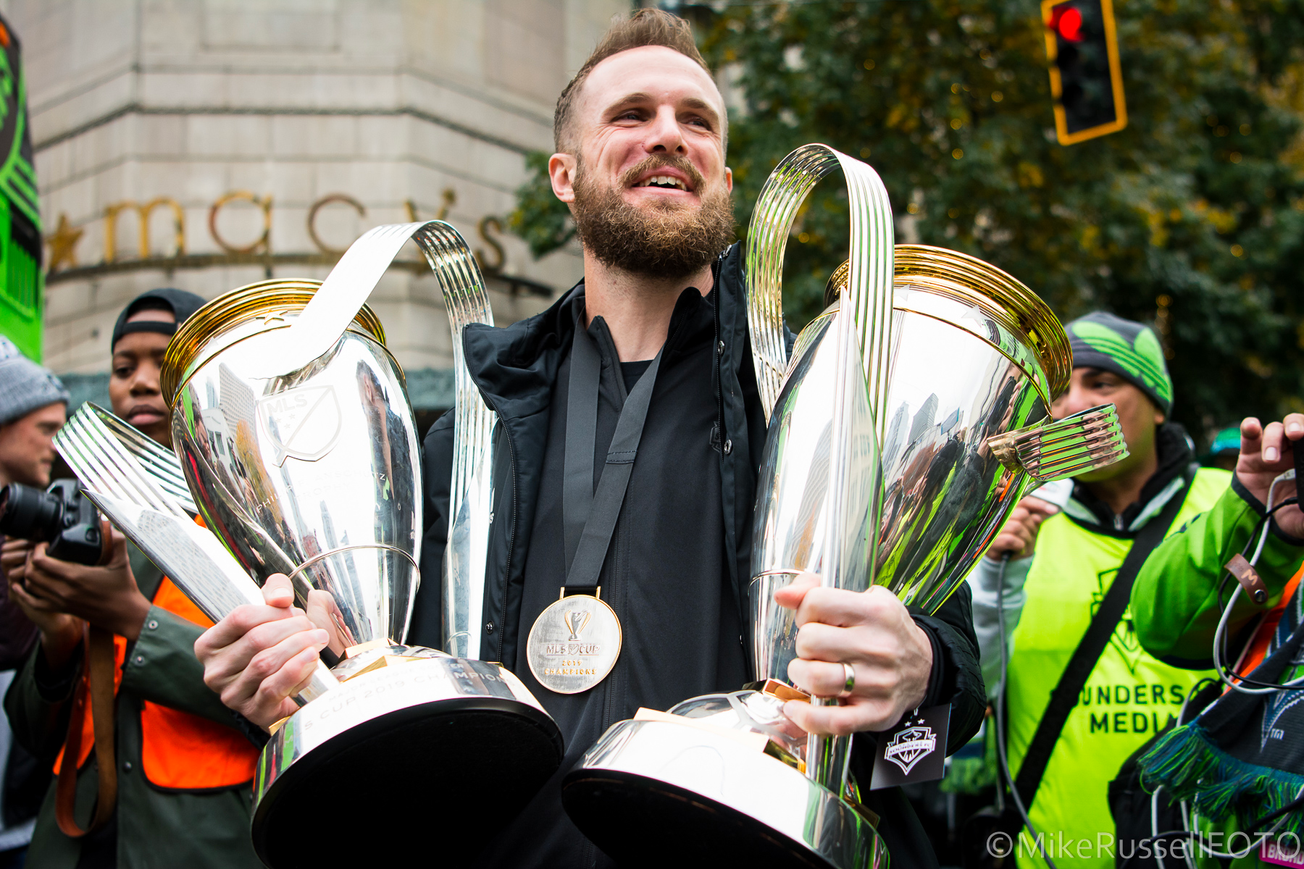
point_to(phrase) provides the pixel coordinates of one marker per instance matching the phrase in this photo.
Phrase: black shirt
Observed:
(665, 574)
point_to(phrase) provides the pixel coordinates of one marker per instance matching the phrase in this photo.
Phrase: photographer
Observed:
(161, 775)
(33, 404)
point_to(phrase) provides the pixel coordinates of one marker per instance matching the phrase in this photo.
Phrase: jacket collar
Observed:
(515, 366)
(1176, 454)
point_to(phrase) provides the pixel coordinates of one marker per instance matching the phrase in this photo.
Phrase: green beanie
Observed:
(1125, 347)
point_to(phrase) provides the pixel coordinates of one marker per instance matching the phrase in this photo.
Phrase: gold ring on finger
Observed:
(849, 684)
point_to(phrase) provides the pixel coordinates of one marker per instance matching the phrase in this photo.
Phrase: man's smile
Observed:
(663, 173)
(665, 180)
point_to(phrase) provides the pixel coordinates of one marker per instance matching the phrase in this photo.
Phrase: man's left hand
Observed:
(872, 631)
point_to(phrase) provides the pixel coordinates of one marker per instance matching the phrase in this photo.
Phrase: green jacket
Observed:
(156, 828)
(1176, 596)
(1176, 593)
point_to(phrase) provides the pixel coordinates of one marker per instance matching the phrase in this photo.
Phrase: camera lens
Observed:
(29, 513)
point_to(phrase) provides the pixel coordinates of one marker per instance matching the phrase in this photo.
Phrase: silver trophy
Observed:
(909, 419)
(293, 432)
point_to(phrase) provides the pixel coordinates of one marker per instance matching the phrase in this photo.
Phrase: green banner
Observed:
(21, 282)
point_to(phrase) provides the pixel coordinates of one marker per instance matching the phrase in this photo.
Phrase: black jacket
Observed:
(515, 369)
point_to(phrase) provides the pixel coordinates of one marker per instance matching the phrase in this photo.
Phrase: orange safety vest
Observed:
(180, 751)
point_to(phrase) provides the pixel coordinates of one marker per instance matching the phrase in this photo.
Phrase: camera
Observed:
(61, 516)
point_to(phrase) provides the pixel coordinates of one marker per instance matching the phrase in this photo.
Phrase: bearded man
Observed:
(657, 328)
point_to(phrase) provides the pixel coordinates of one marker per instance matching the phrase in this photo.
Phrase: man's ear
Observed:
(561, 170)
(728, 179)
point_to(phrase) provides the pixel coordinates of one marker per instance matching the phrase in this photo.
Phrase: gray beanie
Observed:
(24, 385)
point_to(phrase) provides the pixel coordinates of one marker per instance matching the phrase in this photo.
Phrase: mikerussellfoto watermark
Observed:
(1285, 847)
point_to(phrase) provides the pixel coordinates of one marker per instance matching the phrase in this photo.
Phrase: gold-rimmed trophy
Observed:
(295, 442)
(908, 419)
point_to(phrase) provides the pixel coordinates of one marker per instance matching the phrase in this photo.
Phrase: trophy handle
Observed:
(349, 285)
(471, 493)
(871, 258)
(1065, 448)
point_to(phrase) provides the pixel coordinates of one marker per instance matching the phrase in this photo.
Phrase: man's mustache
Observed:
(657, 161)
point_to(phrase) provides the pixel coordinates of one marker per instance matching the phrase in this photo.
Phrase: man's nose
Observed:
(145, 380)
(664, 133)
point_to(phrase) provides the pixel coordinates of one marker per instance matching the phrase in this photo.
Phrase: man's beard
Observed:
(666, 240)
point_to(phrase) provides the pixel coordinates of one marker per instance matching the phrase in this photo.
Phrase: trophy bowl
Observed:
(738, 802)
(317, 474)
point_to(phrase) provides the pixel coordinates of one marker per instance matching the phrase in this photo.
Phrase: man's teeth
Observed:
(664, 181)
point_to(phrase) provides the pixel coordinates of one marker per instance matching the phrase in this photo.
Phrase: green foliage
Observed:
(1192, 218)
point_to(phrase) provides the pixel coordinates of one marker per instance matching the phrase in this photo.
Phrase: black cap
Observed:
(181, 303)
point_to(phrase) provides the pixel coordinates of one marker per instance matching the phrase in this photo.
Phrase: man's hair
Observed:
(644, 27)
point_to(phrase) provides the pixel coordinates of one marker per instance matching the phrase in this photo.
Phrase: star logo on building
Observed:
(62, 245)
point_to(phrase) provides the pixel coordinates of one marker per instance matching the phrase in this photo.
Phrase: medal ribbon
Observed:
(589, 517)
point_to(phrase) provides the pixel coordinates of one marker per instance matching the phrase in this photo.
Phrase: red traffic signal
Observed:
(1067, 22)
(1085, 77)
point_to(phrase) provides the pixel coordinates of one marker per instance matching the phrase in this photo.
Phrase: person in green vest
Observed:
(1237, 770)
(1051, 567)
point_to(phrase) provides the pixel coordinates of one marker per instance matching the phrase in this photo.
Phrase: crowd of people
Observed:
(1133, 675)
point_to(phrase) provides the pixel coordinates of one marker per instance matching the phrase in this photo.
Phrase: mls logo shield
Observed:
(909, 746)
(302, 423)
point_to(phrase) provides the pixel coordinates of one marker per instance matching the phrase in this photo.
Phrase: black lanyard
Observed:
(589, 517)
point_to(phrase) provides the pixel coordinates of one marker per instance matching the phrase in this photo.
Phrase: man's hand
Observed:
(1265, 453)
(1019, 536)
(258, 657)
(60, 632)
(872, 631)
(13, 559)
(106, 596)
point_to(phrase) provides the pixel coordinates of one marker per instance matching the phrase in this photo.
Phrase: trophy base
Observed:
(448, 746)
(648, 790)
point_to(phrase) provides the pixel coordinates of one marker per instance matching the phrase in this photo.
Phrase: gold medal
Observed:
(574, 643)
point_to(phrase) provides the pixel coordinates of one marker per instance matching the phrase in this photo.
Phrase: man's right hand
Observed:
(258, 657)
(1019, 536)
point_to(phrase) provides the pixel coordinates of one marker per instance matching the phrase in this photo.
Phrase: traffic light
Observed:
(1085, 78)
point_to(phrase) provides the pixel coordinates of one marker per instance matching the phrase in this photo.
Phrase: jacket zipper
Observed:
(511, 539)
(739, 586)
(718, 360)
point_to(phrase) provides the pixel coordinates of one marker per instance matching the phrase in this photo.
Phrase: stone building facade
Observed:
(208, 144)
